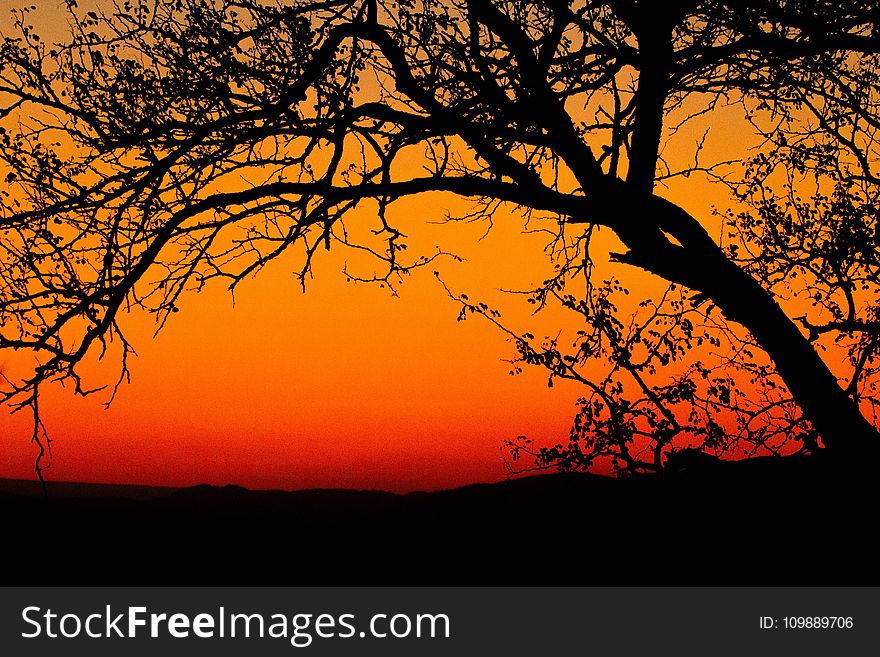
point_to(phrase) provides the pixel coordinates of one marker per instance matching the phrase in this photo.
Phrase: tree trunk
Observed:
(701, 265)
(832, 412)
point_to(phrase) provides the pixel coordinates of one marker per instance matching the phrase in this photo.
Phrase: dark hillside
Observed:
(773, 521)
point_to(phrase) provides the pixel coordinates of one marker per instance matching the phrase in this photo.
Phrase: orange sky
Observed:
(342, 386)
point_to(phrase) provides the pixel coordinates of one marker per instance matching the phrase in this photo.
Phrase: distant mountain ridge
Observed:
(72, 489)
(770, 522)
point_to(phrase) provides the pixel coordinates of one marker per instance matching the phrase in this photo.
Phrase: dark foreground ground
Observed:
(775, 521)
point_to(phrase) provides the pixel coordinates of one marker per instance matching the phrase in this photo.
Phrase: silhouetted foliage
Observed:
(165, 145)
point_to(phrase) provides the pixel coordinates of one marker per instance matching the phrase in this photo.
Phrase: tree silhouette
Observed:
(165, 145)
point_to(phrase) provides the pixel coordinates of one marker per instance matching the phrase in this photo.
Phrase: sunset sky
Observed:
(343, 386)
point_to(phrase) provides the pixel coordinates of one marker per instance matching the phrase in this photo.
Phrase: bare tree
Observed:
(168, 144)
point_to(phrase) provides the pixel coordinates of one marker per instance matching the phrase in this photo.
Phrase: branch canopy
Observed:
(163, 145)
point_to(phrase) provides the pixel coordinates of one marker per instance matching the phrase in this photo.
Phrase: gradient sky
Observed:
(343, 386)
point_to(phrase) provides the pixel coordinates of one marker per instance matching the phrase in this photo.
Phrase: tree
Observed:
(166, 145)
